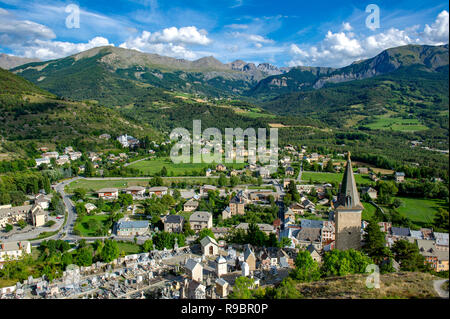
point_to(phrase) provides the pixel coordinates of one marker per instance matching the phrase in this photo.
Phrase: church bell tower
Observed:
(348, 211)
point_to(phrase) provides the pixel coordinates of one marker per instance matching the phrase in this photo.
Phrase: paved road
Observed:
(70, 208)
(437, 286)
(299, 177)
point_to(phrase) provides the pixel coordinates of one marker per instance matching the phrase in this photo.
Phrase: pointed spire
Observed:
(348, 193)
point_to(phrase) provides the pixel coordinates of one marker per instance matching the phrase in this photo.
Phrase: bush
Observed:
(50, 223)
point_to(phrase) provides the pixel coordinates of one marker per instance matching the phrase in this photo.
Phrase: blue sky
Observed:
(284, 33)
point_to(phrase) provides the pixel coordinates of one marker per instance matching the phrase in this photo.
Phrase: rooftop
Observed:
(132, 224)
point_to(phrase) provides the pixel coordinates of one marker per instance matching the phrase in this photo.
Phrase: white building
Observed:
(14, 250)
(221, 266)
(43, 160)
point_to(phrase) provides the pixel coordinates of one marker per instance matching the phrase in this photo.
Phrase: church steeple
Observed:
(348, 197)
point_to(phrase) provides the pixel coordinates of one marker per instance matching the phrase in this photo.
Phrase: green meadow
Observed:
(154, 166)
(396, 124)
(420, 211)
(95, 185)
(323, 177)
(83, 227)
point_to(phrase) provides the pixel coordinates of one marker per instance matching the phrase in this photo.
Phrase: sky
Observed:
(284, 33)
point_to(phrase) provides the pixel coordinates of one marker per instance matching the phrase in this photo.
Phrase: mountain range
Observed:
(372, 106)
(11, 61)
(109, 74)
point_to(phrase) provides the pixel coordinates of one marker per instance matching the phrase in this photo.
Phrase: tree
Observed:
(110, 251)
(176, 194)
(84, 256)
(79, 193)
(187, 229)
(80, 209)
(89, 169)
(94, 225)
(441, 219)
(8, 228)
(287, 290)
(285, 242)
(147, 246)
(125, 200)
(205, 232)
(234, 180)
(397, 203)
(242, 288)
(222, 180)
(22, 223)
(67, 259)
(375, 243)
(341, 263)
(272, 240)
(329, 167)
(408, 256)
(306, 269)
(255, 236)
(259, 181)
(156, 181)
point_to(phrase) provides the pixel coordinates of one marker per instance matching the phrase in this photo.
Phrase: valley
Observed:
(85, 143)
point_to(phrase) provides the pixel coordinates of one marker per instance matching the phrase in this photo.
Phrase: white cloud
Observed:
(16, 32)
(346, 26)
(46, 50)
(170, 42)
(34, 40)
(342, 48)
(237, 26)
(186, 35)
(255, 39)
(392, 38)
(437, 33)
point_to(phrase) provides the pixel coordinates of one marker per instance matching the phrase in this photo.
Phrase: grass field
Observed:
(129, 248)
(396, 124)
(420, 211)
(369, 211)
(95, 185)
(151, 167)
(82, 225)
(333, 177)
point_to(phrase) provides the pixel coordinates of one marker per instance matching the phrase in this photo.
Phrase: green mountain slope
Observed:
(115, 76)
(409, 92)
(305, 79)
(30, 113)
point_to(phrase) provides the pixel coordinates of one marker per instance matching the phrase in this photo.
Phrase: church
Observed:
(347, 215)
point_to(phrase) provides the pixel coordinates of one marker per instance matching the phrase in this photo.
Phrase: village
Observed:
(291, 212)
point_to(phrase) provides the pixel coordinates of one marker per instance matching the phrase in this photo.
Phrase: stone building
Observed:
(200, 220)
(348, 212)
(237, 206)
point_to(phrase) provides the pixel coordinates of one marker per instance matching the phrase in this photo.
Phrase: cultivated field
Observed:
(151, 167)
(420, 211)
(323, 177)
(95, 185)
(396, 124)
